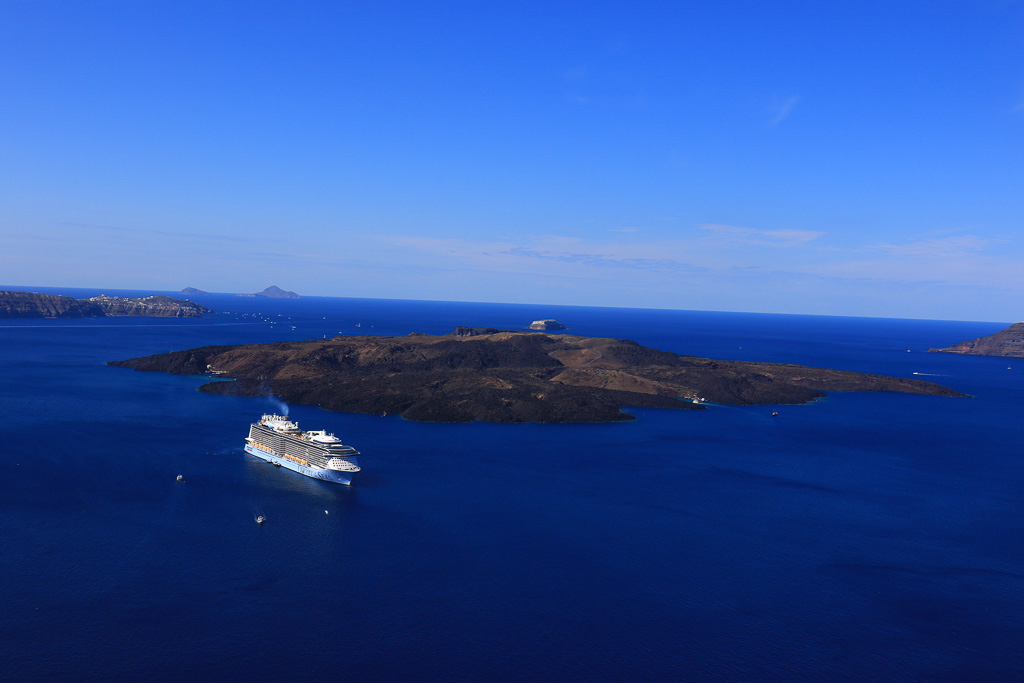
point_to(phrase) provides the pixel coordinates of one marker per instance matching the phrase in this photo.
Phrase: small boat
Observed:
(261, 519)
(775, 413)
(277, 464)
(180, 479)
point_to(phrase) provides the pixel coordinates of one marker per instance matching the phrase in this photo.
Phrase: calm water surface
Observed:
(862, 537)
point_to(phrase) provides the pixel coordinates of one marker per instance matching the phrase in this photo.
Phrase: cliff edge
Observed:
(36, 305)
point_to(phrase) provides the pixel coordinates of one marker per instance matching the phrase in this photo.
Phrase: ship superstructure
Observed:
(316, 454)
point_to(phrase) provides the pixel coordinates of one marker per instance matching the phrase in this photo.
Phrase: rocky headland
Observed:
(36, 305)
(1008, 342)
(500, 376)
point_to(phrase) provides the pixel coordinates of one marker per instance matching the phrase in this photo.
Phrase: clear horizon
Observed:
(854, 159)
(128, 290)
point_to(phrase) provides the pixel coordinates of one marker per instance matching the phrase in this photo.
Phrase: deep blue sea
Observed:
(863, 537)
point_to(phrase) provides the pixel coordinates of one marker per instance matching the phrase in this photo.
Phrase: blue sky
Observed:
(855, 158)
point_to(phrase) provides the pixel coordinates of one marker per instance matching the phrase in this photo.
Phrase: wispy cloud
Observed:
(781, 108)
(532, 253)
(707, 248)
(576, 79)
(733, 261)
(939, 247)
(968, 273)
(176, 234)
(94, 226)
(961, 260)
(575, 74)
(30, 237)
(762, 237)
(604, 260)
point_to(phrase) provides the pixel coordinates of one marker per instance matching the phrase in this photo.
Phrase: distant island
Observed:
(501, 376)
(36, 305)
(546, 325)
(275, 292)
(192, 291)
(1008, 342)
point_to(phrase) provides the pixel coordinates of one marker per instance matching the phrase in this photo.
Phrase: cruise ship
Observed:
(315, 454)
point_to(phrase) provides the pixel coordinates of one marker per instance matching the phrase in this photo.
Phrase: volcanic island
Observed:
(504, 376)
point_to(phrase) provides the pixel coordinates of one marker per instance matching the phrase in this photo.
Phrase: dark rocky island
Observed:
(500, 376)
(275, 292)
(1008, 342)
(35, 305)
(547, 325)
(192, 291)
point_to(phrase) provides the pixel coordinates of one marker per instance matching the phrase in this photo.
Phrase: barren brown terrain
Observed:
(499, 376)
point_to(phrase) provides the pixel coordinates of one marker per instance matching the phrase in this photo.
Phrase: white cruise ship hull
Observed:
(335, 476)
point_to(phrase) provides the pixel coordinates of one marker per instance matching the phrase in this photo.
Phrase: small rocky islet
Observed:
(505, 376)
(273, 292)
(546, 325)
